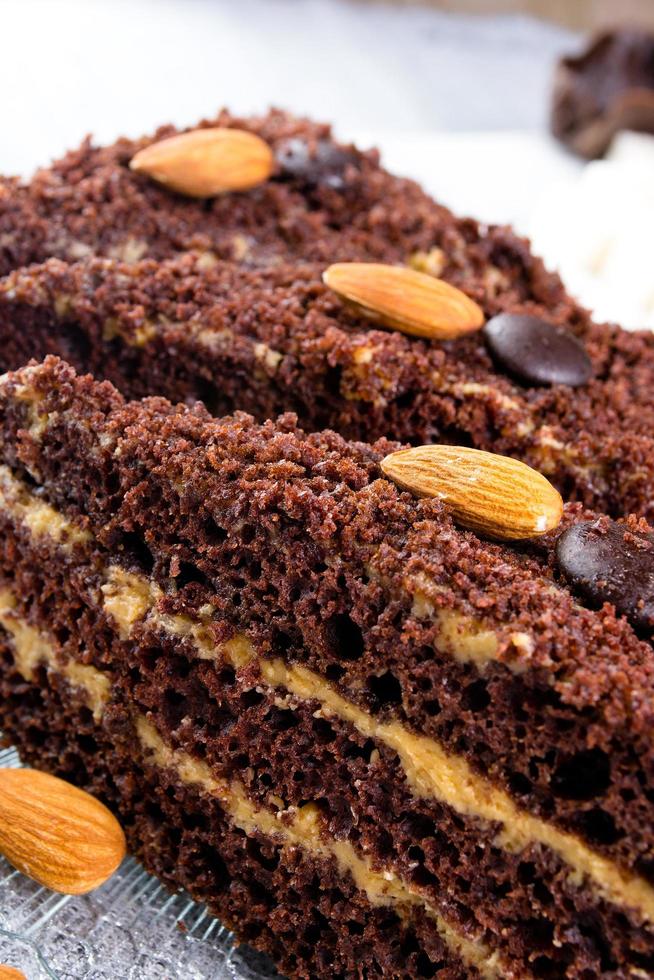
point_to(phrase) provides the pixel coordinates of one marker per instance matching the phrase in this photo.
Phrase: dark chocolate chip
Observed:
(323, 164)
(608, 563)
(537, 352)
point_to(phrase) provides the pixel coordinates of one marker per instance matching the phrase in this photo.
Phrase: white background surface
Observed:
(429, 88)
(70, 67)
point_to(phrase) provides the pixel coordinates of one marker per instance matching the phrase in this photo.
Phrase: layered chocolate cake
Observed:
(570, 397)
(322, 201)
(222, 299)
(374, 743)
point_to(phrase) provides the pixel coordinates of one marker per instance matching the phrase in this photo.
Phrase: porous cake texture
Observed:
(373, 743)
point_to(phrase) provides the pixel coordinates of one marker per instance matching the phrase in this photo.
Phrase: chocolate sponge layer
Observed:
(296, 540)
(146, 538)
(286, 751)
(301, 911)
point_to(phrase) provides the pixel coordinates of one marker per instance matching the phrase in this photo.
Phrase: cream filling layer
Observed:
(302, 827)
(31, 650)
(41, 519)
(150, 327)
(431, 772)
(129, 597)
(37, 419)
(466, 638)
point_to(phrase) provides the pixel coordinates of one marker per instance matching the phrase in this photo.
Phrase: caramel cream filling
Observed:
(37, 419)
(432, 262)
(267, 356)
(128, 598)
(463, 637)
(430, 770)
(40, 518)
(139, 337)
(129, 250)
(302, 827)
(31, 649)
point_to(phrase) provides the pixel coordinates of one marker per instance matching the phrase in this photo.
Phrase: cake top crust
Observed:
(325, 202)
(284, 319)
(324, 501)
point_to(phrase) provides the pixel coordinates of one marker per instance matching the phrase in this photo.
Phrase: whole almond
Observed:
(206, 162)
(496, 496)
(57, 834)
(403, 299)
(10, 973)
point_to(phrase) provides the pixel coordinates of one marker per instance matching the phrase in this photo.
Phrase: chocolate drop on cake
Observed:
(608, 562)
(536, 352)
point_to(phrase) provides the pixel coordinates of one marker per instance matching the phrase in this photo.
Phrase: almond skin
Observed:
(11, 973)
(207, 162)
(57, 834)
(406, 300)
(495, 496)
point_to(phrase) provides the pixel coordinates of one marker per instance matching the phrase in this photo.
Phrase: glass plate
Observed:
(131, 928)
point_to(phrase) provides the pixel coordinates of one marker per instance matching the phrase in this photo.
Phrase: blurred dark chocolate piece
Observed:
(536, 352)
(607, 88)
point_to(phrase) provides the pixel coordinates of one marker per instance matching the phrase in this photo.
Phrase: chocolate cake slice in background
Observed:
(325, 202)
(221, 299)
(372, 742)
(278, 339)
(606, 88)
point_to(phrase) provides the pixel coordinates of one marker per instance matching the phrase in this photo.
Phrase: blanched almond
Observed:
(403, 299)
(206, 162)
(57, 834)
(496, 496)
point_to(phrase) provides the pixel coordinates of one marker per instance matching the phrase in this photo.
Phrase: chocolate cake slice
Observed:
(325, 202)
(222, 299)
(279, 339)
(375, 744)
